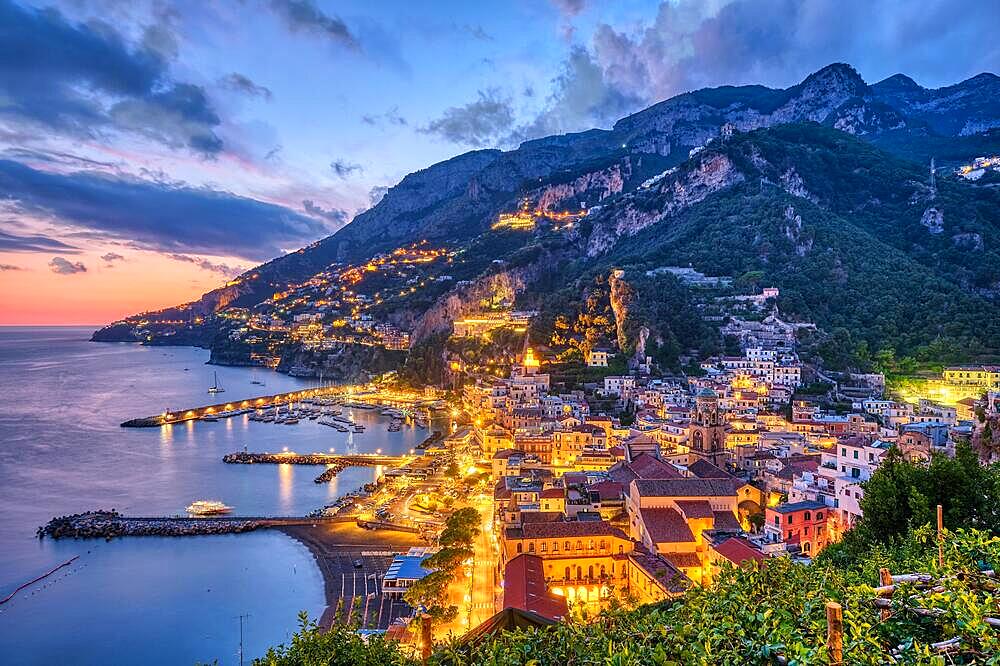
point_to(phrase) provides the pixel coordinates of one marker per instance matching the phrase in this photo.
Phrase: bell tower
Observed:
(707, 432)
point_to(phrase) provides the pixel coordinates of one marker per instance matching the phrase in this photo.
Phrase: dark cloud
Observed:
(166, 217)
(10, 267)
(13, 243)
(305, 16)
(391, 117)
(480, 123)
(343, 168)
(243, 84)
(206, 265)
(336, 215)
(692, 44)
(85, 79)
(65, 267)
(112, 257)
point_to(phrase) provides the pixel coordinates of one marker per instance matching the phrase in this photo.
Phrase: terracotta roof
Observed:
(553, 493)
(524, 588)
(660, 569)
(507, 453)
(685, 487)
(558, 530)
(607, 490)
(695, 509)
(643, 466)
(738, 551)
(689, 560)
(665, 526)
(703, 469)
(726, 521)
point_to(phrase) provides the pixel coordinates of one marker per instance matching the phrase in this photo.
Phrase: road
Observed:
(484, 595)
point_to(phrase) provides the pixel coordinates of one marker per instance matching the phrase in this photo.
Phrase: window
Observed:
(843, 451)
(790, 520)
(819, 515)
(568, 546)
(808, 515)
(806, 531)
(555, 546)
(545, 547)
(531, 547)
(777, 520)
(579, 545)
(519, 547)
(855, 454)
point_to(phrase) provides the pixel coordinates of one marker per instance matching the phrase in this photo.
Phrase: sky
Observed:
(152, 150)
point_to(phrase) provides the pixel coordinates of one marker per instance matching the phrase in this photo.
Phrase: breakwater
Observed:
(111, 524)
(335, 463)
(260, 402)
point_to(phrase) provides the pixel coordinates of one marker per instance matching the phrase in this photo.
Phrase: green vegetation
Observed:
(748, 616)
(431, 592)
(903, 495)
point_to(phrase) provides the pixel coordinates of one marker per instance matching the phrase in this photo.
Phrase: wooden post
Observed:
(835, 633)
(885, 578)
(940, 527)
(426, 640)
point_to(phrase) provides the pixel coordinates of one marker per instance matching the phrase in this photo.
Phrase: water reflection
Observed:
(286, 480)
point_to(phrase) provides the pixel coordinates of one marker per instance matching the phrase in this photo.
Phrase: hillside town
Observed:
(633, 489)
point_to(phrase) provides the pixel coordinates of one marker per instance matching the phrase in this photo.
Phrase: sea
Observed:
(152, 600)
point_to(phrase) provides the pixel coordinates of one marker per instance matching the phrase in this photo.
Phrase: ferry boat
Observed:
(215, 388)
(208, 508)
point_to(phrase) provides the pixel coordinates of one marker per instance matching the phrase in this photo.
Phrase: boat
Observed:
(208, 508)
(215, 388)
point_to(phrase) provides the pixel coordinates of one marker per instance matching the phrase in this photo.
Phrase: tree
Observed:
(431, 594)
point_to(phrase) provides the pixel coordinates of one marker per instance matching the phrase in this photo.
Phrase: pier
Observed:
(364, 399)
(110, 524)
(291, 458)
(261, 402)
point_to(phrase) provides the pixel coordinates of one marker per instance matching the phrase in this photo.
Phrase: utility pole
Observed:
(241, 618)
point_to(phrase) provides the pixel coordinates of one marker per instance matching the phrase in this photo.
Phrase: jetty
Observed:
(335, 463)
(111, 524)
(261, 402)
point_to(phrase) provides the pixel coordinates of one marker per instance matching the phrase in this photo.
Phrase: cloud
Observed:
(10, 267)
(391, 117)
(570, 7)
(243, 84)
(64, 267)
(305, 16)
(13, 243)
(85, 80)
(479, 123)
(336, 215)
(343, 168)
(162, 216)
(206, 265)
(376, 193)
(692, 44)
(112, 257)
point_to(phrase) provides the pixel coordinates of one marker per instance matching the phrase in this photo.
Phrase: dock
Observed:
(110, 524)
(261, 402)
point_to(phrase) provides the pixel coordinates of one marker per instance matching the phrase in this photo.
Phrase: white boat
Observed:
(208, 508)
(215, 388)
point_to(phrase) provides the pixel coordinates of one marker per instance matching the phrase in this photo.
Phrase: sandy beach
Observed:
(352, 592)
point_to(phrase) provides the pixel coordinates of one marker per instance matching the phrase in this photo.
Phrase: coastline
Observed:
(335, 546)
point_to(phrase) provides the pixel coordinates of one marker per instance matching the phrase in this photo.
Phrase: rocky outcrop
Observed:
(341, 362)
(595, 185)
(968, 241)
(502, 285)
(933, 219)
(623, 296)
(793, 232)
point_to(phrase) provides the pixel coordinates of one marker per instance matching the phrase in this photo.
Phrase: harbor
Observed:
(111, 524)
(311, 403)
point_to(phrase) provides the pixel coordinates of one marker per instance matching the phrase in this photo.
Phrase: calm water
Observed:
(150, 600)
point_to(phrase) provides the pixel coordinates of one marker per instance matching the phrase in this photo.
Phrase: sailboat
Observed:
(215, 388)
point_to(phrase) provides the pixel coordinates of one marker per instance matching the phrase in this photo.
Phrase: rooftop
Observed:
(684, 487)
(666, 526)
(792, 507)
(738, 551)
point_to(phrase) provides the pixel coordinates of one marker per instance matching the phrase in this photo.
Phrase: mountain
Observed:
(821, 188)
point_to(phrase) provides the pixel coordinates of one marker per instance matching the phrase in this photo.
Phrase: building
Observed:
(802, 524)
(707, 432)
(404, 571)
(524, 587)
(598, 358)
